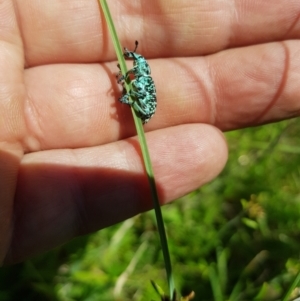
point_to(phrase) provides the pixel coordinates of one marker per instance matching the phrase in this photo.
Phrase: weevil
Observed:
(144, 84)
(141, 84)
(143, 103)
(140, 64)
(142, 94)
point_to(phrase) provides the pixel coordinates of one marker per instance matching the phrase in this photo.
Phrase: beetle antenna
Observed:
(136, 45)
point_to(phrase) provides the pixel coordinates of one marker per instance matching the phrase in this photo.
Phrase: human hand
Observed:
(69, 159)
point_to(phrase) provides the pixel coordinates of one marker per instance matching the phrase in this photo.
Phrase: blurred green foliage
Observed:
(237, 238)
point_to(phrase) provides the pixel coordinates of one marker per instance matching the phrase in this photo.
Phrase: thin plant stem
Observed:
(145, 152)
(292, 287)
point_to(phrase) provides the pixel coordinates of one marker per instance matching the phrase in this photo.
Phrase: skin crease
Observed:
(69, 159)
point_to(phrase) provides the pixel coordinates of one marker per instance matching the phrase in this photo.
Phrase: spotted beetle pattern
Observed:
(142, 95)
(140, 64)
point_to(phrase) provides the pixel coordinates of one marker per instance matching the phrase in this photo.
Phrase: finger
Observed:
(75, 31)
(12, 90)
(76, 105)
(236, 88)
(11, 122)
(65, 193)
(10, 156)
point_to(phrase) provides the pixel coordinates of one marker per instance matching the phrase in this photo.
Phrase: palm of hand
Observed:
(67, 166)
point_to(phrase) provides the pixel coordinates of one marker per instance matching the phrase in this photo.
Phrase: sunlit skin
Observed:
(69, 159)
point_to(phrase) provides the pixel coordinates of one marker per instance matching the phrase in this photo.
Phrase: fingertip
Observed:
(186, 157)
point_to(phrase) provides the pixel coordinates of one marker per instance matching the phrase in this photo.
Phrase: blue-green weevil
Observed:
(142, 94)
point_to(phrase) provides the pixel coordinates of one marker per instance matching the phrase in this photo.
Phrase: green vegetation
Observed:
(235, 239)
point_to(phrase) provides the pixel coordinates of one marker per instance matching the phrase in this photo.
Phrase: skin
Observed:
(69, 159)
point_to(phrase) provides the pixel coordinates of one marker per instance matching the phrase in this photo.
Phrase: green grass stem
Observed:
(291, 288)
(145, 151)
